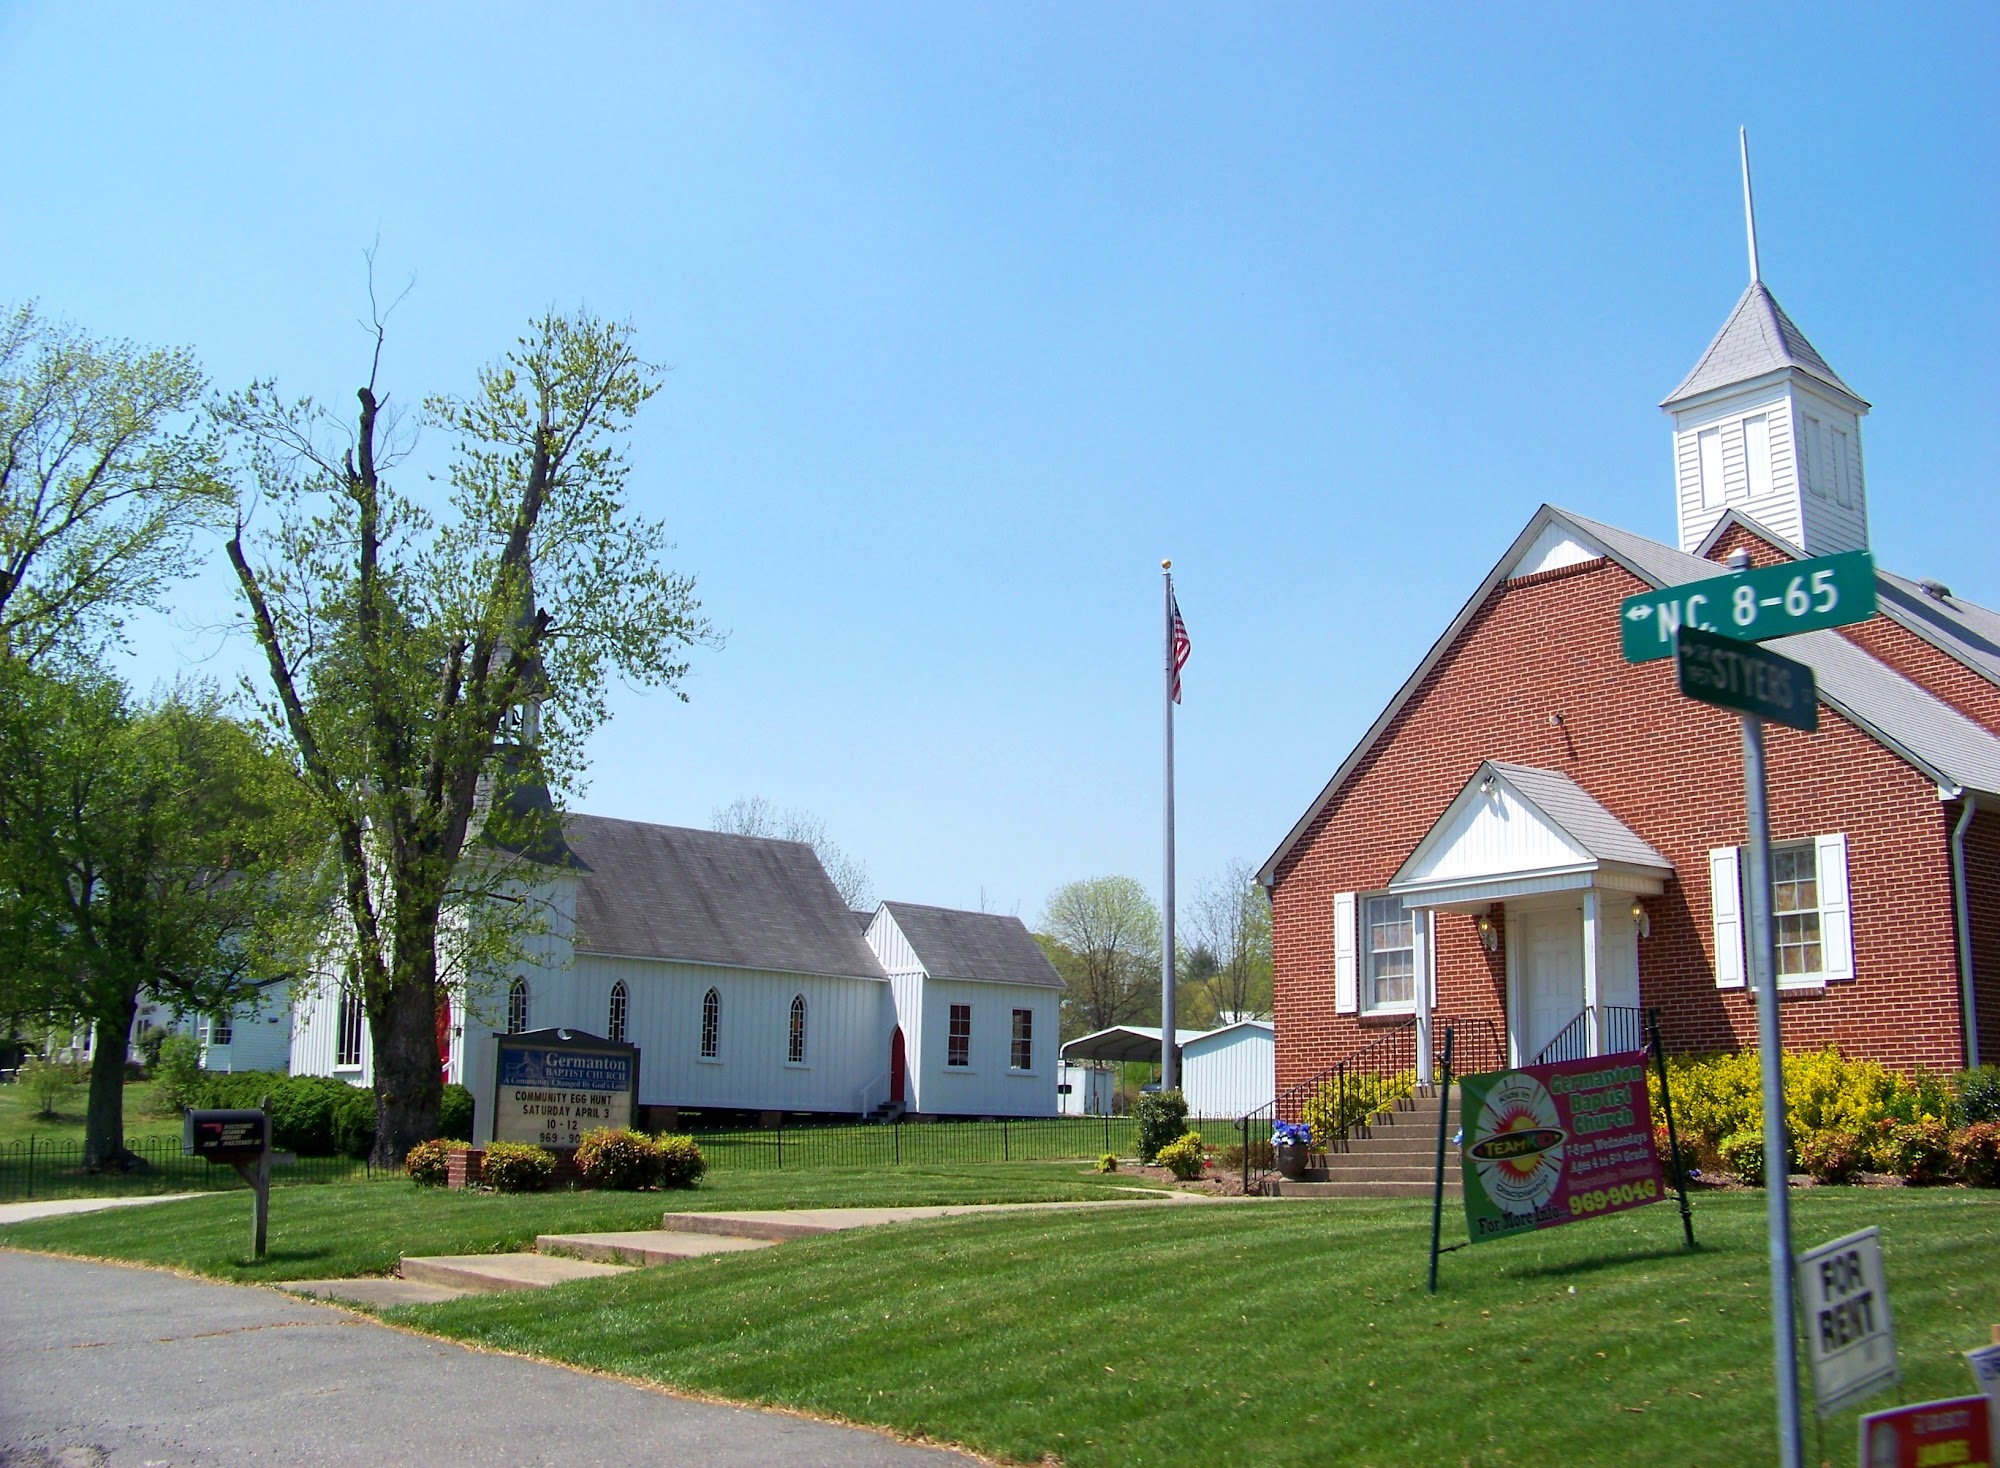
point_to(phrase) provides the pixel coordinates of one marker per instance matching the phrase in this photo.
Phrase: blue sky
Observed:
(974, 313)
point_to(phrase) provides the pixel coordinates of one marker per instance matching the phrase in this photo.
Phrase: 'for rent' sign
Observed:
(1849, 1337)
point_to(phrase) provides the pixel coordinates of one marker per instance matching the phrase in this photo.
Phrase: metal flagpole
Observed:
(1169, 1062)
(1777, 1153)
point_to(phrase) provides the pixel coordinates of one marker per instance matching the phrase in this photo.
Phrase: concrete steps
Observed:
(1394, 1156)
(494, 1273)
(643, 1247)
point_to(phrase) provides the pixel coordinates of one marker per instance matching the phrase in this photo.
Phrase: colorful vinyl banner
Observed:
(1550, 1144)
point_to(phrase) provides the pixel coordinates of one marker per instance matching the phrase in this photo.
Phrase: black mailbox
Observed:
(225, 1134)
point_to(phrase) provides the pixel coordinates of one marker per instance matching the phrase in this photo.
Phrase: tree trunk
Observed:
(104, 1121)
(408, 1085)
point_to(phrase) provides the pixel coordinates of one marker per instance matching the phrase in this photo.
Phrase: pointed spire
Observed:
(1758, 338)
(1749, 206)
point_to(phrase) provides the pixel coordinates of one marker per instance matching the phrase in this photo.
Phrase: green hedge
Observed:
(314, 1116)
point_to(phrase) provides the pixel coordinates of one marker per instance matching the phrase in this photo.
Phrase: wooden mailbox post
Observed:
(243, 1140)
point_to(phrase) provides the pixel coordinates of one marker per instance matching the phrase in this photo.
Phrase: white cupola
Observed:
(1765, 427)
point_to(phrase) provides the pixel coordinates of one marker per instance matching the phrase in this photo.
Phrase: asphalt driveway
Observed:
(103, 1365)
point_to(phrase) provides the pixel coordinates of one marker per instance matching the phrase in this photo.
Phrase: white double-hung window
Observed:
(1811, 921)
(1388, 955)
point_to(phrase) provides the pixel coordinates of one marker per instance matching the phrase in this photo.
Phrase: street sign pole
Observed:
(1777, 1192)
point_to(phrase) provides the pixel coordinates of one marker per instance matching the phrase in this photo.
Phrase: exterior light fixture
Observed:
(1640, 919)
(1489, 935)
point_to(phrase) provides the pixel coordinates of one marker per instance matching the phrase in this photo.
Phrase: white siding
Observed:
(260, 1035)
(988, 1086)
(1798, 508)
(1230, 1072)
(1091, 1090)
(847, 1033)
(906, 988)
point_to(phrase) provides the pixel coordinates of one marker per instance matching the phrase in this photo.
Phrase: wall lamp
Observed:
(1640, 919)
(1488, 934)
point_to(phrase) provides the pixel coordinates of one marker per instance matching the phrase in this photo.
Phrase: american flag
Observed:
(1177, 634)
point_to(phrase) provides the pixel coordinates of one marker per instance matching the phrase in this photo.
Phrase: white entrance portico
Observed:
(1535, 846)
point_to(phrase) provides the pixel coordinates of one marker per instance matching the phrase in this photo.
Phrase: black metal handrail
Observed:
(1620, 1028)
(1359, 1087)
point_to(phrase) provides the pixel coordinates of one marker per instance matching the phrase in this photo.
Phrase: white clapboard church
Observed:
(748, 986)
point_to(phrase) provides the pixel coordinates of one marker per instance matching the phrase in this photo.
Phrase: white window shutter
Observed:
(1725, 896)
(1836, 925)
(1344, 987)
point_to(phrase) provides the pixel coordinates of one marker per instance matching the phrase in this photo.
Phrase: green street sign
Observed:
(1745, 677)
(1752, 606)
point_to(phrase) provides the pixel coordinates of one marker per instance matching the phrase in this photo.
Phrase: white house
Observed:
(748, 986)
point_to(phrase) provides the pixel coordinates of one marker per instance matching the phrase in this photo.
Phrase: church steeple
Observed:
(1765, 427)
(517, 813)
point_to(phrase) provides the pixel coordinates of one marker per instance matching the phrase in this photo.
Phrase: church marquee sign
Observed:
(550, 1087)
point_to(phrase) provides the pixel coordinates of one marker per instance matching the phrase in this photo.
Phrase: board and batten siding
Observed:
(847, 1033)
(989, 1086)
(906, 988)
(1229, 1073)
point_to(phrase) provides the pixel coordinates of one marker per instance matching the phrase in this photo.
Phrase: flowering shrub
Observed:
(519, 1167)
(1919, 1152)
(681, 1163)
(1108, 1162)
(428, 1161)
(1338, 1108)
(1975, 1152)
(1833, 1157)
(1183, 1157)
(609, 1158)
(1291, 1134)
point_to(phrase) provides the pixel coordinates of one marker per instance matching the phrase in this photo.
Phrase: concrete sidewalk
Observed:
(118, 1367)
(57, 1207)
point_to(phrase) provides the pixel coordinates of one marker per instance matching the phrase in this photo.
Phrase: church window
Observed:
(958, 1039)
(795, 1043)
(614, 1024)
(1023, 1055)
(1795, 904)
(517, 1007)
(347, 1044)
(1708, 451)
(220, 1030)
(1391, 955)
(711, 1025)
(1757, 454)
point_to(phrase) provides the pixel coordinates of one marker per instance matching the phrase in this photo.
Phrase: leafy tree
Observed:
(104, 475)
(756, 816)
(1104, 937)
(1230, 922)
(142, 852)
(437, 666)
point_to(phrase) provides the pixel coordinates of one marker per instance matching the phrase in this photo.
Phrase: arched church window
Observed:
(711, 1025)
(614, 1025)
(517, 1007)
(795, 1049)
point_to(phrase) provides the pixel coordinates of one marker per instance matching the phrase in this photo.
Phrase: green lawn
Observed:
(18, 1120)
(1279, 1333)
(364, 1228)
(1283, 1332)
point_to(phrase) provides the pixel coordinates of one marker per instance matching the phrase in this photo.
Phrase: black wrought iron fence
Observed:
(49, 1168)
(933, 1143)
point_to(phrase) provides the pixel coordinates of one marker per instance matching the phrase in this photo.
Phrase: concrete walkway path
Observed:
(57, 1207)
(117, 1368)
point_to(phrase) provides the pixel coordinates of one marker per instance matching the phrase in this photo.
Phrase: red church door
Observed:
(444, 1035)
(898, 1066)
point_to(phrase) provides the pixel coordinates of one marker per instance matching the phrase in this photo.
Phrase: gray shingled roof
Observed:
(987, 946)
(1580, 815)
(711, 897)
(1757, 338)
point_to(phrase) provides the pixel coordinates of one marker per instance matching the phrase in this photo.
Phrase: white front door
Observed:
(1551, 969)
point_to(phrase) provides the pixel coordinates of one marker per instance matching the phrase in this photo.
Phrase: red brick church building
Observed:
(1536, 840)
